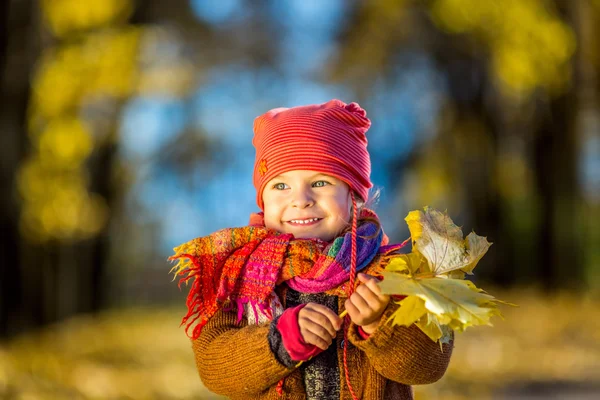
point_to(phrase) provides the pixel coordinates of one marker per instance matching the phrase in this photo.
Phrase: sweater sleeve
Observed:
(403, 354)
(235, 359)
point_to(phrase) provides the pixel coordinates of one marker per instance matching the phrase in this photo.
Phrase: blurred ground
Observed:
(547, 348)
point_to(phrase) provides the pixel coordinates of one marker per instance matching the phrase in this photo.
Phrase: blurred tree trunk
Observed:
(3, 36)
(556, 179)
(473, 143)
(101, 176)
(7, 168)
(555, 146)
(17, 55)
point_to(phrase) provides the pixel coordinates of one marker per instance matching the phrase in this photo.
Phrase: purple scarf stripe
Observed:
(338, 270)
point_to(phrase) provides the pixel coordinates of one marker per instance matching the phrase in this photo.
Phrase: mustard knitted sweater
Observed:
(245, 362)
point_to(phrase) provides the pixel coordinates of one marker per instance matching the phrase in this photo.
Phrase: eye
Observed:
(321, 183)
(280, 186)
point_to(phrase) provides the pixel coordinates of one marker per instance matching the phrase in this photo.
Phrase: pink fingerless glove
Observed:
(363, 335)
(291, 336)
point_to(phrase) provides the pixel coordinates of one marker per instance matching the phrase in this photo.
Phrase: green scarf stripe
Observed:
(233, 238)
(287, 255)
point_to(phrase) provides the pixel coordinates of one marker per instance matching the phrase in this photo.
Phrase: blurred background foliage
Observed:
(127, 130)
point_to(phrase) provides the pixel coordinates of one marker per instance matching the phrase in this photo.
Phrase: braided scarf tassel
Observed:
(350, 291)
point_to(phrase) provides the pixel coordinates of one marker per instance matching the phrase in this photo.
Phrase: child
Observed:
(266, 298)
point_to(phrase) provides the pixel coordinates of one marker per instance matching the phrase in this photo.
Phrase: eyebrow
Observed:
(311, 177)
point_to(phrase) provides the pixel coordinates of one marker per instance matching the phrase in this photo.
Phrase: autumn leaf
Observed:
(477, 246)
(437, 297)
(413, 308)
(441, 242)
(430, 325)
(448, 299)
(411, 263)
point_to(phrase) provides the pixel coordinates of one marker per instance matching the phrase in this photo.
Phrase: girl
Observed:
(266, 298)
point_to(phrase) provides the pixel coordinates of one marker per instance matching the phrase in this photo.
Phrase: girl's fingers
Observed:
(359, 311)
(353, 311)
(312, 338)
(371, 283)
(373, 302)
(321, 316)
(317, 324)
(362, 304)
(332, 318)
(317, 331)
(367, 303)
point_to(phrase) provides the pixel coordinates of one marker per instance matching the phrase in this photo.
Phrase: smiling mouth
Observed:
(304, 222)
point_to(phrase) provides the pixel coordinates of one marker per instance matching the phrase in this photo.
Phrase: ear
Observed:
(360, 203)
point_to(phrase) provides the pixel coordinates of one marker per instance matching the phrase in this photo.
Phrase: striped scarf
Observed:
(236, 267)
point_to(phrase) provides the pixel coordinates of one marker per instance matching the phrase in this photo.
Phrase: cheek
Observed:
(269, 224)
(272, 215)
(343, 206)
(268, 212)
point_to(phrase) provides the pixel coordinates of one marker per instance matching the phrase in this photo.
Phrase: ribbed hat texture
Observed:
(328, 138)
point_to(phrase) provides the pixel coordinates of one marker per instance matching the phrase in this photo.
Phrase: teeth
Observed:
(304, 221)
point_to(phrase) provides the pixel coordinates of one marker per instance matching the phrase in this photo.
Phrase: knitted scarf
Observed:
(239, 266)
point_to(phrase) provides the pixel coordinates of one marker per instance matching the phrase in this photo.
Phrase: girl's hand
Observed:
(318, 325)
(367, 304)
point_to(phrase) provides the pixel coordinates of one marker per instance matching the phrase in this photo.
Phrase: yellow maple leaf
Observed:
(430, 325)
(438, 299)
(413, 308)
(451, 300)
(411, 263)
(441, 242)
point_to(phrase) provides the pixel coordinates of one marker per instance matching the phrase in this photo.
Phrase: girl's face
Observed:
(308, 204)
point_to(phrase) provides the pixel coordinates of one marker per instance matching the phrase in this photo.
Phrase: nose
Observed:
(302, 198)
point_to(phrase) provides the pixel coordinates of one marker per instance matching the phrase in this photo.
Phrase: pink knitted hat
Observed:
(328, 138)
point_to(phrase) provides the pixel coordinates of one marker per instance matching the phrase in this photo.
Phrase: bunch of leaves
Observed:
(431, 277)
